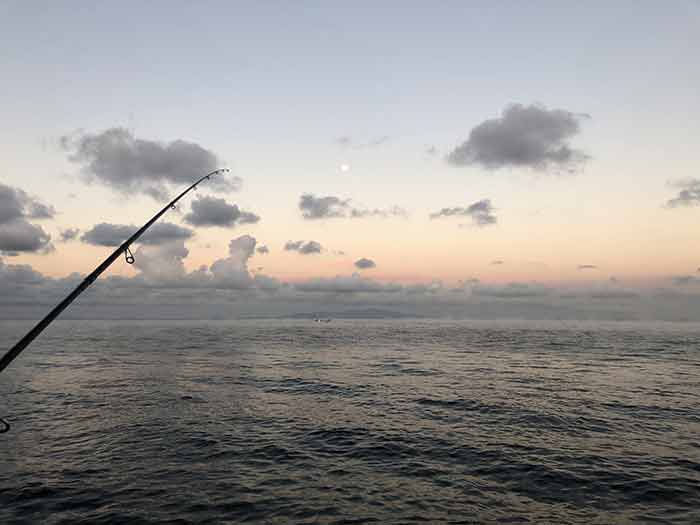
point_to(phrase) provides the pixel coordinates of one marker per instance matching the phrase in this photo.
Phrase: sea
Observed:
(351, 421)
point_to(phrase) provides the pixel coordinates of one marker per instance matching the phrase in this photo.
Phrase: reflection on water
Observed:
(352, 422)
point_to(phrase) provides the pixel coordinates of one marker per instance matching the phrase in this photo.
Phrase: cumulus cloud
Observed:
(365, 264)
(481, 212)
(69, 234)
(331, 207)
(119, 160)
(106, 234)
(233, 270)
(262, 249)
(587, 267)
(689, 194)
(17, 204)
(22, 236)
(210, 211)
(523, 136)
(303, 247)
(352, 284)
(17, 234)
(162, 262)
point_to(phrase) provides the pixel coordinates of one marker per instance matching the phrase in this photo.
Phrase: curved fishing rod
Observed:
(124, 248)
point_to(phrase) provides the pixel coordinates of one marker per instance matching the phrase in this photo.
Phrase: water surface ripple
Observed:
(352, 422)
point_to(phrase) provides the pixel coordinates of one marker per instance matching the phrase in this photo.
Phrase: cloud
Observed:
(481, 212)
(379, 141)
(511, 291)
(22, 236)
(613, 294)
(210, 211)
(69, 234)
(432, 288)
(227, 290)
(305, 248)
(688, 196)
(341, 285)
(347, 141)
(523, 136)
(17, 234)
(162, 262)
(684, 280)
(497, 262)
(431, 150)
(587, 267)
(262, 249)
(105, 234)
(365, 264)
(16, 204)
(331, 207)
(233, 270)
(119, 160)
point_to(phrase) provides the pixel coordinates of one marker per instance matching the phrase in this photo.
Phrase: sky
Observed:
(459, 159)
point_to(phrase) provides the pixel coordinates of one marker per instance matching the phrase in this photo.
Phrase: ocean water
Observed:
(352, 422)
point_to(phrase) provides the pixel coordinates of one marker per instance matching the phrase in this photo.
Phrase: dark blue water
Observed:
(352, 422)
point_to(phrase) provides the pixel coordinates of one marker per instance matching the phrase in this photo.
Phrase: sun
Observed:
(344, 168)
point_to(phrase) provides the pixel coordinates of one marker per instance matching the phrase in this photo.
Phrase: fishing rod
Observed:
(13, 352)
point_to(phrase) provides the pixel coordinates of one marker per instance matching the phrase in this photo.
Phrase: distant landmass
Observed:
(365, 313)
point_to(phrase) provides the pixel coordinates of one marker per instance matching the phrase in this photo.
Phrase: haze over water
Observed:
(357, 421)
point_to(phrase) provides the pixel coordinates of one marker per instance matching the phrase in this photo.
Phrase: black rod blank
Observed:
(124, 248)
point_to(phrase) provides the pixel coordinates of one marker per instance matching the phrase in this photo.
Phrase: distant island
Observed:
(365, 313)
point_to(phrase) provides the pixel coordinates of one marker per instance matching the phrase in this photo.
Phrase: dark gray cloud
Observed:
(481, 212)
(17, 234)
(119, 160)
(313, 207)
(69, 234)
(262, 249)
(303, 247)
(210, 211)
(587, 267)
(106, 234)
(20, 235)
(689, 194)
(331, 207)
(365, 264)
(17, 204)
(523, 136)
